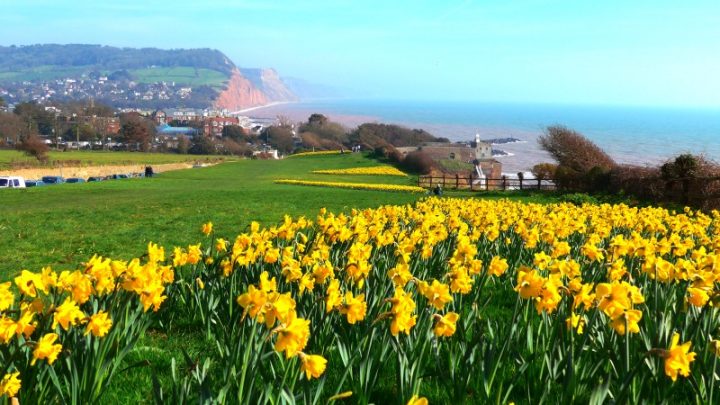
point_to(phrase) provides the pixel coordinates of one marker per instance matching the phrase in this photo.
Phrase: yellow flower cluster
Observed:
(374, 171)
(408, 272)
(51, 305)
(318, 153)
(355, 186)
(277, 312)
(592, 258)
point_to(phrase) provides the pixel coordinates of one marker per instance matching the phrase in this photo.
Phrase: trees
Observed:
(235, 132)
(81, 132)
(35, 117)
(183, 144)
(12, 128)
(372, 135)
(281, 138)
(573, 151)
(317, 120)
(136, 130)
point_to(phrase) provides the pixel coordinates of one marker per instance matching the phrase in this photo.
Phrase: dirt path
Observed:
(88, 171)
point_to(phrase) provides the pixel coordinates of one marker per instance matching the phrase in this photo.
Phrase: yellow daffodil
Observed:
(313, 365)
(99, 324)
(678, 358)
(46, 348)
(10, 384)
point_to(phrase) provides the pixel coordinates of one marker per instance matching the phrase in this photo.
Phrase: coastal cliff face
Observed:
(252, 88)
(274, 87)
(240, 93)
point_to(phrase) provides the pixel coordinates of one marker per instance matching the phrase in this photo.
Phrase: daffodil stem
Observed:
(712, 378)
(627, 347)
(246, 359)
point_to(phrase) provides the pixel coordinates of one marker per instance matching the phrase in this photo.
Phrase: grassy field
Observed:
(47, 72)
(63, 225)
(180, 75)
(91, 158)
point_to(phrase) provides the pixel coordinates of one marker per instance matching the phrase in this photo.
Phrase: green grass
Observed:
(65, 224)
(92, 158)
(46, 72)
(180, 75)
(453, 165)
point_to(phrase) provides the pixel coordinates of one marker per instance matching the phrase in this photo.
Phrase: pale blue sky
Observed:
(598, 52)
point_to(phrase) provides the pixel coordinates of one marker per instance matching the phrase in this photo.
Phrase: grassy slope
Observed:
(179, 75)
(91, 158)
(46, 72)
(63, 225)
(184, 75)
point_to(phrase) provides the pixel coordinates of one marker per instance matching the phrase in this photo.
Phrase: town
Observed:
(89, 126)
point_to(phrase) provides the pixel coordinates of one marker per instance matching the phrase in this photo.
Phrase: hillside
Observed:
(135, 77)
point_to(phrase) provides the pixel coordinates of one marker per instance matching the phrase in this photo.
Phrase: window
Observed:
(3, 182)
(16, 183)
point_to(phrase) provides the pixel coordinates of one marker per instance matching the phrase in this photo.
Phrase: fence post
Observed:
(539, 183)
(457, 181)
(487, 183)
(430, 177)
(504, 183)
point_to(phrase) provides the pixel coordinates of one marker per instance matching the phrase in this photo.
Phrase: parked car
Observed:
(95, 178)
(74, 180)
(53, 179)
(34, 183)
(118, 176)
(12, 182)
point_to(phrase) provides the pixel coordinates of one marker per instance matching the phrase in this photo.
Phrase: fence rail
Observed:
(458, 182)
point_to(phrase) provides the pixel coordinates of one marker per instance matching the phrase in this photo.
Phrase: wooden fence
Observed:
(458, 182)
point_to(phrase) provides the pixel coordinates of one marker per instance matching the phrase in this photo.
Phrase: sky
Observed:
(611, 52)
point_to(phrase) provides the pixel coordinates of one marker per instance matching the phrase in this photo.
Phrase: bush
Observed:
(34, 146)
(579, 199)
(418, 162)
(641, 182)
(544, 171)
(683, 166)
(572, 150)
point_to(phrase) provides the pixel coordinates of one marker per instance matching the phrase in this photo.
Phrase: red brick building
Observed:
(214, 125)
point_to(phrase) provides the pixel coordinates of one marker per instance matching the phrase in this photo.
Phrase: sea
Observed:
(631, 135)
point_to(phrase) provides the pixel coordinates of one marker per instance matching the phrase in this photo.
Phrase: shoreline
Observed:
(260, 107)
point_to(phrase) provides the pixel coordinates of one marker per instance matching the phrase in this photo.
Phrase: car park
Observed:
(34, 183)
(53, 179)
(74, 180)
(12, 182)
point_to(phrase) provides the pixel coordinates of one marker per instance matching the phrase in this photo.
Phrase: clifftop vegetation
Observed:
(18, 58)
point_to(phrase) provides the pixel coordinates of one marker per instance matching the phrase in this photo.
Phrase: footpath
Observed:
(89, 171)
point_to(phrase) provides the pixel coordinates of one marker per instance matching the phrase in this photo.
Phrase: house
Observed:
(215, 125)
(466, 152)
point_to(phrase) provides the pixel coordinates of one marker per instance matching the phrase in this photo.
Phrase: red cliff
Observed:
(240, 93)
(253, 87)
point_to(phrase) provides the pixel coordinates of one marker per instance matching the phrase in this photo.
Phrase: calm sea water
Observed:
(629, 134)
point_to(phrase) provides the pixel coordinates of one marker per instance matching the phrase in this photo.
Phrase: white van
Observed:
(12, 182)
